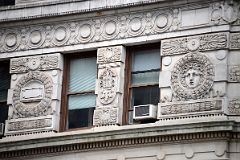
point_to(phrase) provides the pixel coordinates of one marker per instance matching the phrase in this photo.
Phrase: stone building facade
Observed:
(120, 79)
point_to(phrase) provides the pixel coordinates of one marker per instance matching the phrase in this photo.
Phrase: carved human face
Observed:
(192, 78)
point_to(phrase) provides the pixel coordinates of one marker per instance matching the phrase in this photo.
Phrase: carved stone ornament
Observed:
(234, 73)
(201, 43)
(30, 124)
(109, 55)
(107, 86)
(87, 30)
(44, 62)
(32, 95)
(227, 11)
(234, 106)
(235, 40)
(192, 77)
(193, 106)
(105, 116)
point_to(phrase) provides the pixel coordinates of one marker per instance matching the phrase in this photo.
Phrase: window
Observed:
(142, 77)
(4, 86)
(79, 94)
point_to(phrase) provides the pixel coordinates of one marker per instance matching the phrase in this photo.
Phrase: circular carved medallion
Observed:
(192, 77)
(36, 37)
(110, 28)
(136, 25)
(162, 21)
(86, 32)
(61, 35)
(32, 95)
(11, 40)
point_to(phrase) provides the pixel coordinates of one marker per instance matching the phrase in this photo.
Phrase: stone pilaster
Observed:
(34, 96)
(110, 84)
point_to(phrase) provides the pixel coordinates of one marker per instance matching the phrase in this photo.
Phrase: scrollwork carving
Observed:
(235, 40)
(192, 77)
(201, 43)
(45, 62)
(109, 55)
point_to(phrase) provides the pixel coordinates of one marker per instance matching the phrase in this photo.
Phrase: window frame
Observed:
(128, 78)
(66, 93)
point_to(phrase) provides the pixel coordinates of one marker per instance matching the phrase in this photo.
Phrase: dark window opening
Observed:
(7, 2)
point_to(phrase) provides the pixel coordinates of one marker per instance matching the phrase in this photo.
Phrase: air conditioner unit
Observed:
(144, 112)
(1, 129)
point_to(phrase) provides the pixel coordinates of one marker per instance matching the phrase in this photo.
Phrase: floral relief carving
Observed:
(192, 77)
(234, 73)
(107, 86)
(45, 62)
(105, 116)
(32, 95)
(30, 124)
(201, 43)
(235, 40)
(109, 54)
(234, 106)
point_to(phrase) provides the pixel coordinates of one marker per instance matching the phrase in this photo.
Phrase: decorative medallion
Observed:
(110, 28)
(109, 55)
(36, 37)
(136, 25)
(11, 40)
(107, 85)
(192, 77)
(86, 32)
(32, 95)
(61, 35)
(162, 21)
(105, 116)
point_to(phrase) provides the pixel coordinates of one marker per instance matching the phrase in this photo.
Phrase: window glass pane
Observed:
(145, 95)
(81, 101)
(146, 60)
(4, 82)
(80, 118)
(3, 112)
(82, 74)
(145, 78)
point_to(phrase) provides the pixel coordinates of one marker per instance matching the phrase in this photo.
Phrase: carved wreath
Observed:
(22, 110)
(202, 66)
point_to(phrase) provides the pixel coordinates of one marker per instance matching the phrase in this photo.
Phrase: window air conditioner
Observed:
(1, 129)
(143, 112)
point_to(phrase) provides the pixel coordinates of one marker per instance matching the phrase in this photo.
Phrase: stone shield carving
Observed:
(107, 84)
(192, 77)
(32, 95)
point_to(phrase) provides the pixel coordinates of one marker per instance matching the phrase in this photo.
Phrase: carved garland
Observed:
(106, 116)
(22, 110)
(202, 69)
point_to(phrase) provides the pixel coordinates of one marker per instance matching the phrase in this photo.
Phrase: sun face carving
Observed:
(192, 77)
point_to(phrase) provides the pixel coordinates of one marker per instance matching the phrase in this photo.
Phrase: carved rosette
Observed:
(107, 85)
(192, 77)
(105, 116)
(234, 106)
(29, 100)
